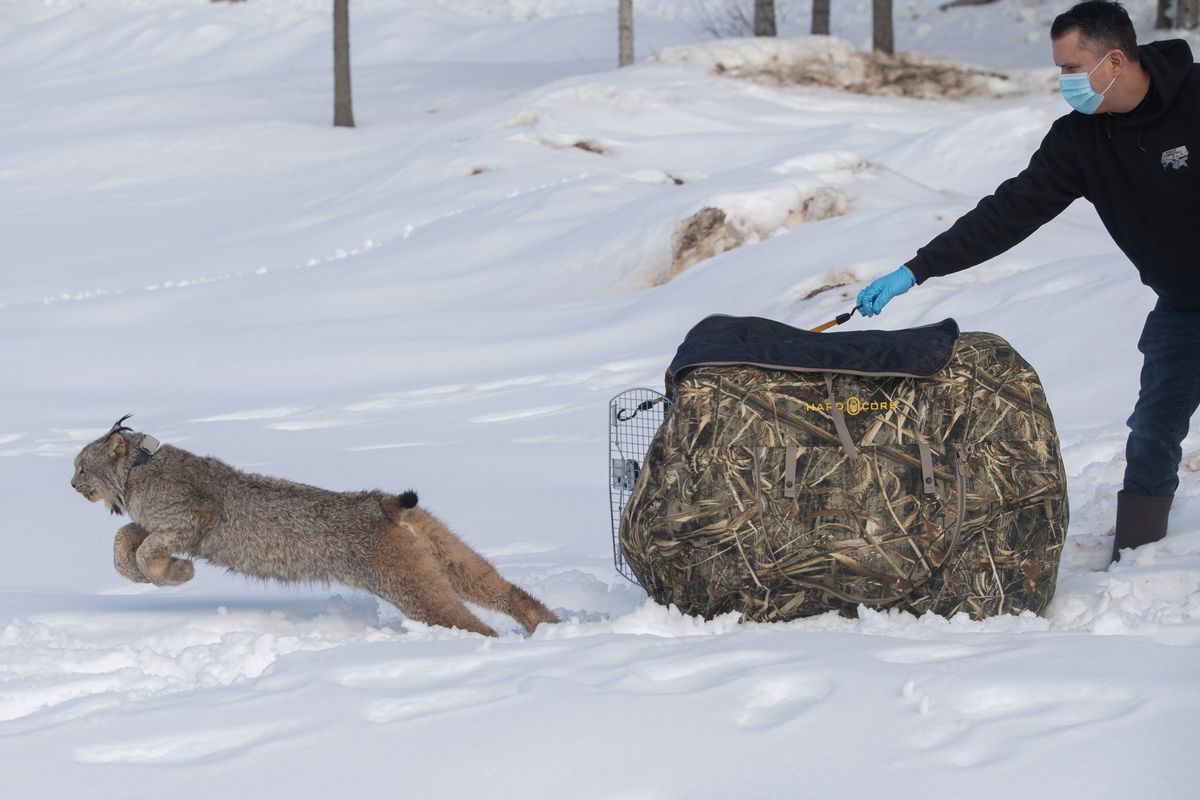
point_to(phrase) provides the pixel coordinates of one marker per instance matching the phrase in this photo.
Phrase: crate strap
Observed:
(839, 422)
(790, 455)
(928, 484)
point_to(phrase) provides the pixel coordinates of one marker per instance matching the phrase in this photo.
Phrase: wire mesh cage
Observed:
(634, 416)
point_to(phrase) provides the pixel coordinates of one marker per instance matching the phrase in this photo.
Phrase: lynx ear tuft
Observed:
(119, 425)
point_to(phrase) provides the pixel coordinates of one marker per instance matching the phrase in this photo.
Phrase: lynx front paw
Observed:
(125, 553)
(130, 571)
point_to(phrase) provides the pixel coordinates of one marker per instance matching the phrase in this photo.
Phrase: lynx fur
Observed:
(182, 504)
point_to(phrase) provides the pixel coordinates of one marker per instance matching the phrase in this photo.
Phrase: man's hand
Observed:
(875, 296)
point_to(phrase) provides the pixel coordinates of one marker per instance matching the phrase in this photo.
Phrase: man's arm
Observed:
(1017, 208)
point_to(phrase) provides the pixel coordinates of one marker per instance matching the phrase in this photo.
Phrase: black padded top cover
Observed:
(724, 340)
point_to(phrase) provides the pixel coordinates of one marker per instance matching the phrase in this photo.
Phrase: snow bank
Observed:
(838, 64)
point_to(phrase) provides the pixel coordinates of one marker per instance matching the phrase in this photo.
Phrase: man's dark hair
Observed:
(1102, 26)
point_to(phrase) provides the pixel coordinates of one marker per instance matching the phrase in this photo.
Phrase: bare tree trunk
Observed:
(820, 20)
(1162, 18)
(764, 17)
(884, 41)
(343, 113)
(1188, 13)
(625, 32)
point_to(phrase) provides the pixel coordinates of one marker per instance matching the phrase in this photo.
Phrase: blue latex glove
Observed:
(876, 295)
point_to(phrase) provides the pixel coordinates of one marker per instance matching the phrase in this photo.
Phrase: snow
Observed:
(445, 298)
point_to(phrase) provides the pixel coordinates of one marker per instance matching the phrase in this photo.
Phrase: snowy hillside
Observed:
(445, 298)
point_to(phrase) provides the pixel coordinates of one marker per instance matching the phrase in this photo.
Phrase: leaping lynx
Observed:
(184, 504)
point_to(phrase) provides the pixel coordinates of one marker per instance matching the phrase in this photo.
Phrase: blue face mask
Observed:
(1078, 92)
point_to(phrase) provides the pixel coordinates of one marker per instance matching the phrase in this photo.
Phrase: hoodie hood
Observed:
(1168, 63)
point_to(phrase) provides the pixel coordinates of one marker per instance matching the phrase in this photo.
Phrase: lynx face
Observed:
(96, 471)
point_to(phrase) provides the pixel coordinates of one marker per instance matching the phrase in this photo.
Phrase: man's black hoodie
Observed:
(1133, 167)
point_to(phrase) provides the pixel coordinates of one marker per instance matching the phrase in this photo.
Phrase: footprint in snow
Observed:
(437, 702)
(183, 748)
(420, 671)
(934, 653)
(672, 675)
(778, 700)
(981, 722)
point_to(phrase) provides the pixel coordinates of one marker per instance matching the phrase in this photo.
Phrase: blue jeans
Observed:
(1169, 396)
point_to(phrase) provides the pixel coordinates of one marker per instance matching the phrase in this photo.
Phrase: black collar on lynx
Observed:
(148, 447)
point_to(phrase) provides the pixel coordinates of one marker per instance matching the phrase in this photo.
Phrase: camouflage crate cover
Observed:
(709, 527)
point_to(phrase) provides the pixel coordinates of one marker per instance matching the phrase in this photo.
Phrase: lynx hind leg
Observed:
(155, 561)
(407, 575)
(125, 546)
(474, 577)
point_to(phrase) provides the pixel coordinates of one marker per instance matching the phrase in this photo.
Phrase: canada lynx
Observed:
(184, 504)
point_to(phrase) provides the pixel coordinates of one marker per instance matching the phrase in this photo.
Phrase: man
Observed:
(1125, 148)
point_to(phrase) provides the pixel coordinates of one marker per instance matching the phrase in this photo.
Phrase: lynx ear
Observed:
(117, 445)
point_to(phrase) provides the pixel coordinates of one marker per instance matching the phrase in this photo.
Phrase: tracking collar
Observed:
(148, 447)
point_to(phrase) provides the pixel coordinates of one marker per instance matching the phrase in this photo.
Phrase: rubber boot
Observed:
(1141, 519)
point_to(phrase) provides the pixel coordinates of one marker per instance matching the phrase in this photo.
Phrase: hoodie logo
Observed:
(1175, 159)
